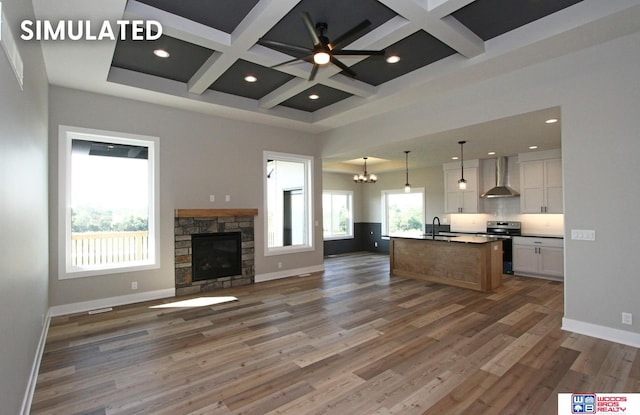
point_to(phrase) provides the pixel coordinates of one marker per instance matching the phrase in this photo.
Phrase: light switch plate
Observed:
(583, 234)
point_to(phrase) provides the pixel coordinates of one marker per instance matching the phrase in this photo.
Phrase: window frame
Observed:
(385, 209)
(349, 194)
(307, 161)
(66, 134)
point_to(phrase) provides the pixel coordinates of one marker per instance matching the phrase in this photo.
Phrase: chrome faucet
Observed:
(433, 227)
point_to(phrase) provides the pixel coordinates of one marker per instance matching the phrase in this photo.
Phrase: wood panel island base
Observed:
(467, 262)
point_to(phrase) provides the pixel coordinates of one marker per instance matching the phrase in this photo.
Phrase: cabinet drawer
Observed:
(536, 241)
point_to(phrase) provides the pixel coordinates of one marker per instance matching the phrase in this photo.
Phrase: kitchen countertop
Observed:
(467, 239)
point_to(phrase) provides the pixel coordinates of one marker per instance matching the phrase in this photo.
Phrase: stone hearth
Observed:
(199, 221)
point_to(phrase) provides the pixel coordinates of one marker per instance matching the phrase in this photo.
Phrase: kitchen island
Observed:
(472, 262)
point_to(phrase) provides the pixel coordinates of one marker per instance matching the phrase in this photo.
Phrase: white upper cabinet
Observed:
(461, 201)
(541, 182)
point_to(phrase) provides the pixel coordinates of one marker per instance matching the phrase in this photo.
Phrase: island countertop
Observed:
(473, 262)
(467, 239)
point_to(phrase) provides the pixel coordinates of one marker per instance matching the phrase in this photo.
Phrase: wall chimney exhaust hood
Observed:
(501, 188)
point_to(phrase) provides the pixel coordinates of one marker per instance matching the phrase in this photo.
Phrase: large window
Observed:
(337, 214)
(108, 202)
(403, 213)
(288, 203)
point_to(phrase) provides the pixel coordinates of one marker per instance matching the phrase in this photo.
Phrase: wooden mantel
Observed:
(209, 213)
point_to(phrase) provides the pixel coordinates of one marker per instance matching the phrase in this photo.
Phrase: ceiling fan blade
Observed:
(345, 52)
(282, 45)
(343, 38)
(306, 18)
(314, 71)
(286, 62)
(348, 71)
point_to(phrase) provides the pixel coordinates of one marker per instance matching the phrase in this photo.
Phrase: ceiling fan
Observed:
(324, 51)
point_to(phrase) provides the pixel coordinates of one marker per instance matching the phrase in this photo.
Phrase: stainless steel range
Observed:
(504, 231)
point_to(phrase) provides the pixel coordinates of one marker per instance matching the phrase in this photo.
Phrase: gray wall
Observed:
(200, 155)
(23, 213)
(599, 94)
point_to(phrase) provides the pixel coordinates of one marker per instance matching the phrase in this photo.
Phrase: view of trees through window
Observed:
(337, 214)
(404, 212)
(88, 219)
(110, 207)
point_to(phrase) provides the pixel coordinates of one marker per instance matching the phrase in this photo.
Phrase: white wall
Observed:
(200, 155)
(23, 214)
(599, 95)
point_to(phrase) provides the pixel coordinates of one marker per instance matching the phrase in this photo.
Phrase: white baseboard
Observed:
(288, 273)
(61, 310)
(602, 332)
(35, 369)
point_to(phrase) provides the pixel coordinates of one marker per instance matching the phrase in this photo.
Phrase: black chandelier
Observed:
(365, 177)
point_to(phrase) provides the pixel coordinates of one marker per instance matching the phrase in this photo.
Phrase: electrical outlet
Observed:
(212, 198)
(375, 244)
(134, 285)
(279, 265)
(227, 198)
(627, 318)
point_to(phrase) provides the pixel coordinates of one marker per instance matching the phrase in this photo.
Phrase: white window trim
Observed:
(385, 211)
(350, 224)
(308, 214)
(65, 135)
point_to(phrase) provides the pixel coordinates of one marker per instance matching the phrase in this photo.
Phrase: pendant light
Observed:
(365, 177)
(407, 186)
(462, 183)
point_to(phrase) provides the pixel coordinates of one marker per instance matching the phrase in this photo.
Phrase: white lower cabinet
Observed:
(538, 257)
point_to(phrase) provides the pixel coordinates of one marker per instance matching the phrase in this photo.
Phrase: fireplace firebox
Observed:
(216, 255)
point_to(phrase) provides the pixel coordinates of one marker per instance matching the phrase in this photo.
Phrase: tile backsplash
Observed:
(540, 224)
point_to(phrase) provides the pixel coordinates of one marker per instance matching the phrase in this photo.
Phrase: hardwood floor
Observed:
(350, 341)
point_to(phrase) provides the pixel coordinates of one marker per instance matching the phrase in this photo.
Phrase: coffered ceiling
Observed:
(213, 45)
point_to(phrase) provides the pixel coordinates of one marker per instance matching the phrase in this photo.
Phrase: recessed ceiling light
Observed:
(455, 158)
(533, 147)
(161, 53)
(250, 78)
(393, 59)
(314, 96)
(552, 120)
(492, 153)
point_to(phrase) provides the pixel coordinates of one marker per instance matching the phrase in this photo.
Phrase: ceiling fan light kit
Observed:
(324, 51)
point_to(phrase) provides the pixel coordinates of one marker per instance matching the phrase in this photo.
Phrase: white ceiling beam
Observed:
(444, 28)
(350, 85)
(456, 35)
(179, 27)
(255, 24)
(443, 8)
(286, 91)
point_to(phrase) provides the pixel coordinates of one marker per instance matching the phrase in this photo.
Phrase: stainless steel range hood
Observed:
(501, 188)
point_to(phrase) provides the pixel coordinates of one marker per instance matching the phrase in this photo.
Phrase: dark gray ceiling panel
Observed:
(327, 96)
(232, 81)
(186, 58)
(223, 15)
(491, 18)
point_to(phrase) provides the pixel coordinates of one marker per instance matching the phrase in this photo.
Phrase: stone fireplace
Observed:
(217, 233)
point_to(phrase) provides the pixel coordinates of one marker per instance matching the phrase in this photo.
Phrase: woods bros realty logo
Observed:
(88, 30)
(598, 403)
